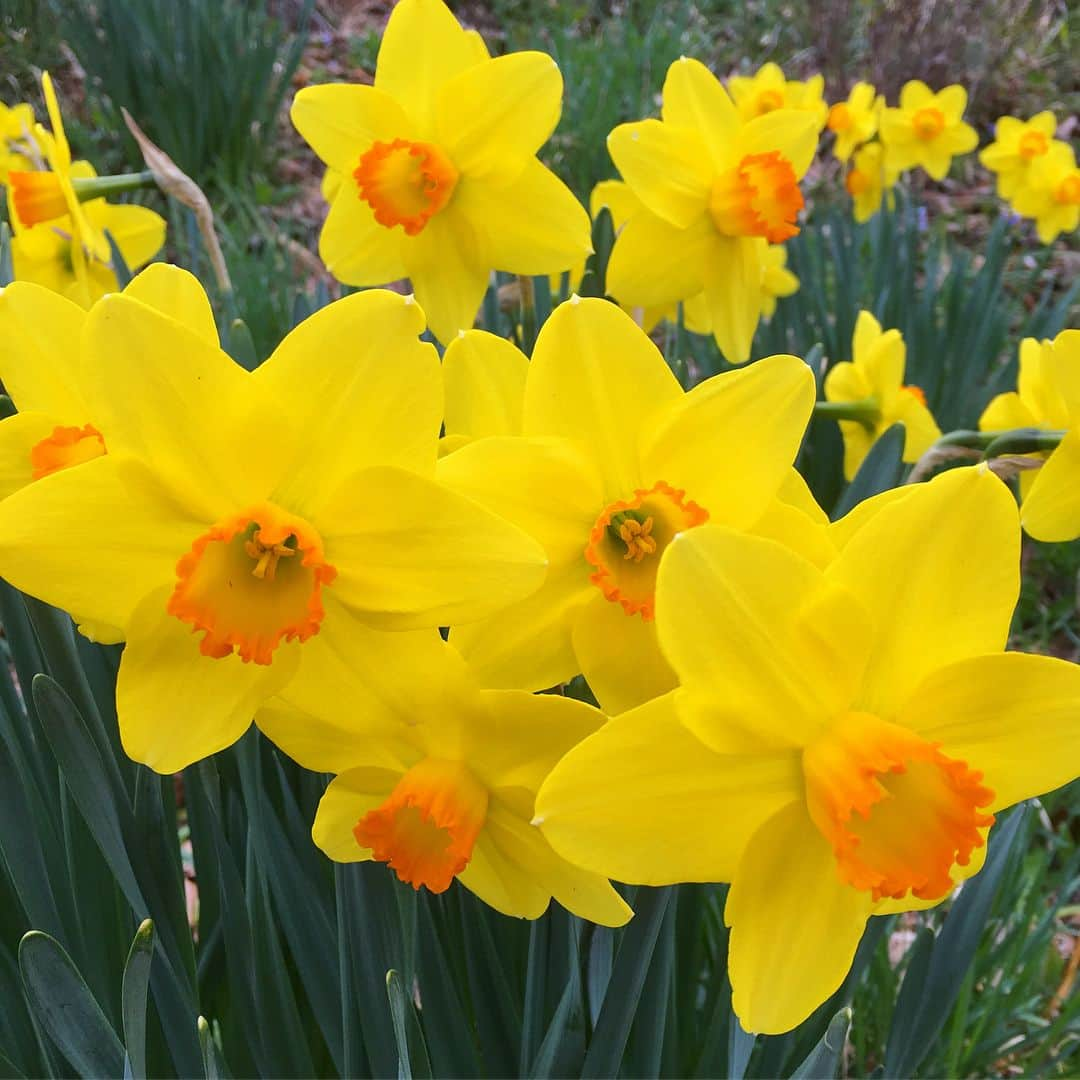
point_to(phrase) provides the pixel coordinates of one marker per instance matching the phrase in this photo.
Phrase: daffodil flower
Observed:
(17, 144)
(855, 120)
(841, 741)
(767, 90)
(1017, 143)
(240, 521)
(719, 190)
(927, 129)
(1048, 397)
(870, 179)
(435, 777)
(1050, 193)
(439, 180)
(614, 461)
(873, 384)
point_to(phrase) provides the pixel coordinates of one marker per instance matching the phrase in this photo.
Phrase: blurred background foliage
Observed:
(287, 955)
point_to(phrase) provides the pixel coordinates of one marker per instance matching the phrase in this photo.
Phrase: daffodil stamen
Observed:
(405, 183)
(899, 814)
(427, 827)
(234, 589)
(66, 446)
(759, 197)
(628, 539)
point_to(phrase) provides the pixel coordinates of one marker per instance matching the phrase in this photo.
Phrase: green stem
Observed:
(866, 412)
(1024, 441)
(98, 187)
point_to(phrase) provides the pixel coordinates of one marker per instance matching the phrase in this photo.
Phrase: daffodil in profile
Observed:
(17, 144)
(855, 121)
(927, 129)
(239, 521)
(1017, 144)
(437, 168)
(767, 90)
(842, 738)
(434, 776)
(719, 189)
(614, 460)
(1050, 193)
(872, 383)
(870, 180)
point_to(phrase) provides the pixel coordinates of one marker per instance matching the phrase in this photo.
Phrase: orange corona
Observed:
(840, 117)
(928, 123)
(760, 197)
(65, 447)
(37, 197)
(1033, 144)
(251, 582)
(405, 183)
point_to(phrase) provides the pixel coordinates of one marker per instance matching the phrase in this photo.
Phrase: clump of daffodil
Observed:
(927, 129)
(1017, 143)
(719, 189)
(434, 776)
(18, 147)
(239, 522)
(1050, 192)
(841, 740)
(767, 90)
(437, 176)
(855, 121)
(59, 240)
(870, 393)
(870, 180)
(1048, 398)
(613, 461)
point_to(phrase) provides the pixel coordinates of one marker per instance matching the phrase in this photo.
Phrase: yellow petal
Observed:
(443, 264)
(1013, 716)
(733, 294)
(39, 362)
(361, 390)
(1051, 510)
(617, 198)
(412, 554)
(620, 656)
(795, 491)
(1006, 411)
(789, 912)
(793, 132)
(699, 444)
(340, 121)
(640, 800)
(346, 800)
(763, 648)
(532, 224)
(667, 167)
(938, 588)
(694, 98)
(19, 434)
(422, 48)
(178, 294)
(794, 529)
(484, 376)
(355, 247)
(139, 232)
(177, 706)
(920, 427)
(495, 115)
(94, 539)
(597, 378)
(654, 262)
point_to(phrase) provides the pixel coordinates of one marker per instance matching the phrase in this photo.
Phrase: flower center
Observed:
(916, 392)
(898, 813)
(37, 197)
(1033, 144)
(427, 827)
(760, 197)
(65, 447)
(252, 581)
(769, 100)
(1068, 192)
(628, 540)
(405, 183)
(928, 123)
(840, 118)
(857, 182)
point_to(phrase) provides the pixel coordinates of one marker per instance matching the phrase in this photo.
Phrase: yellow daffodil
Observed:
(927, 129)
(436, 777)
(1017, 143)
(777, 281)
(1051, 192)
(855, 121)
(17, 145)
(240, 521)
(614, 461)
(767, 91)
(873, 381)
(870, 179)
(718, 190)
(841, 740)
(1048, 397)
(439, 178)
